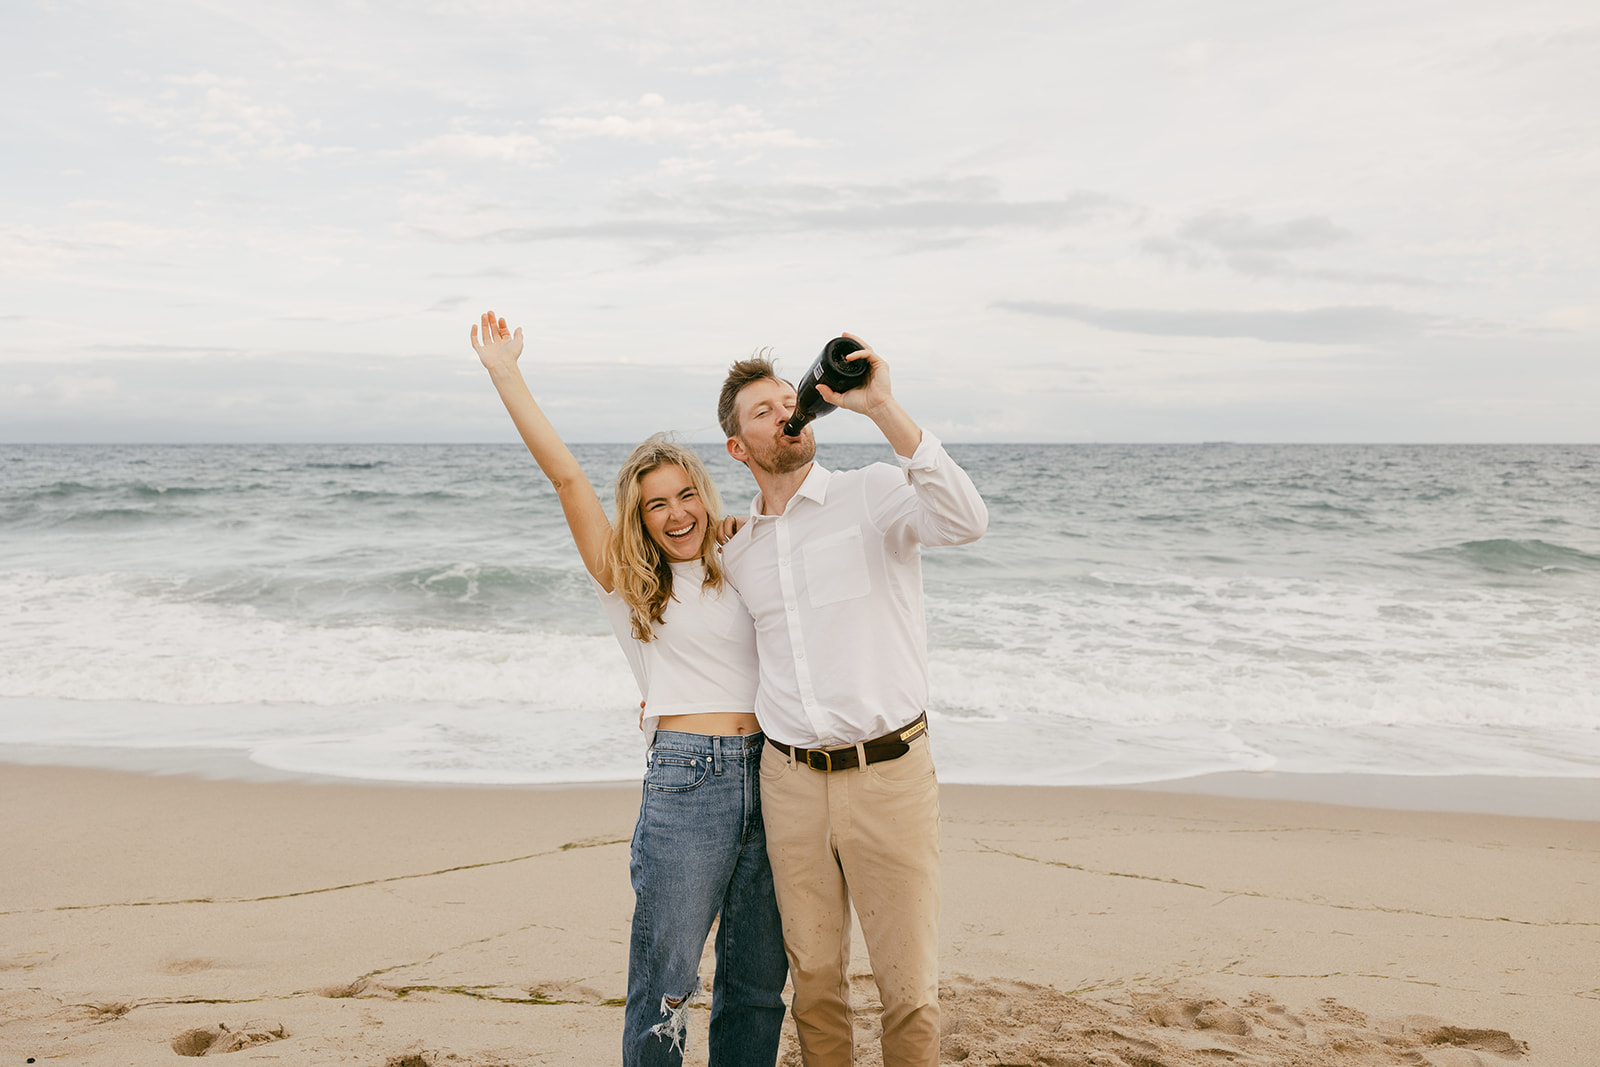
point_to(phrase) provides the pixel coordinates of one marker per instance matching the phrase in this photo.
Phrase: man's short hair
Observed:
(743, 372)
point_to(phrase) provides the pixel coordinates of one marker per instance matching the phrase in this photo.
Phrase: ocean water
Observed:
(1134, 614)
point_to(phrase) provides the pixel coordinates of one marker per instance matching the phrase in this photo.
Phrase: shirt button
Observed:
(783, 561)
(800, 654)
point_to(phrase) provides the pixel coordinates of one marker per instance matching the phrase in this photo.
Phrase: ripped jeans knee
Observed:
(674, 1027)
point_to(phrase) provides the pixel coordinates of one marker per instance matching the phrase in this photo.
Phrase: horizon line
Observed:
(1215, 443)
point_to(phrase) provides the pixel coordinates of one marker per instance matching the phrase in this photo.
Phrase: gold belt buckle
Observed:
(827, 758)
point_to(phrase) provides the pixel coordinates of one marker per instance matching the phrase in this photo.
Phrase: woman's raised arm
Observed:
(498, 349)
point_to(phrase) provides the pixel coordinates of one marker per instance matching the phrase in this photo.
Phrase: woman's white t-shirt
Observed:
(703, 657)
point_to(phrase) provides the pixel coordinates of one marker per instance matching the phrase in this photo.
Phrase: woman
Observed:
(699, 850)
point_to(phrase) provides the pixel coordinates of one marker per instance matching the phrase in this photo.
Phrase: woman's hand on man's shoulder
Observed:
(729, 526)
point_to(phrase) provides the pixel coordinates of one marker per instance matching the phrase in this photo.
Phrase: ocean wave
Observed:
(388, 496)
(360, 589)
(115, 517)
(136, 490)
(162, 492)
(1510, 556)
(64, 489)
(66, 505)
(1333, 509)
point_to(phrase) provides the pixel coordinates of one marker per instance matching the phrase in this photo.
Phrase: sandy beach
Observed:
(145, 917)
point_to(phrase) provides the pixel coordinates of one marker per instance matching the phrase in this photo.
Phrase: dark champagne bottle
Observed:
(833, 370)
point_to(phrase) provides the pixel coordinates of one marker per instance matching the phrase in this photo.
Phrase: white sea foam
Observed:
(1287, 651)
(104, 638)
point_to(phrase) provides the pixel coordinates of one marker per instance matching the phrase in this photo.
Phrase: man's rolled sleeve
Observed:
(949, 509)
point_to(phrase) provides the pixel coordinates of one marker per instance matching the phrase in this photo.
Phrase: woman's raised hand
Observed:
(498, 347)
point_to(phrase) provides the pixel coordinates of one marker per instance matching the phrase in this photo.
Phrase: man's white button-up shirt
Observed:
(835, 586)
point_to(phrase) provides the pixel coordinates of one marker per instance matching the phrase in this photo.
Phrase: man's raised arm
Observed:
(945, 508)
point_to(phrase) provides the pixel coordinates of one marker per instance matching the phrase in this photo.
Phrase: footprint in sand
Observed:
(1339, 1013)
(216, 1040)
(1175, 1012)
(188, 966)
(1197, 1015)
(1223, 1021)
(1277, 1017)
(1496, 1041)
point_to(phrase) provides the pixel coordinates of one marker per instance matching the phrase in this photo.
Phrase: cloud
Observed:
(1177, 253)
(497, 273)
(931, 213)
(723, 68)
(1259, 249)
(652, 120)
(31, 252)
(1315, 326)
(173, 351)
(1255, 265)
(466, 144)
(210, 119)
(1243, 233)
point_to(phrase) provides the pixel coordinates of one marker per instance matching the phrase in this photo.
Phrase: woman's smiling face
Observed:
(673, 513)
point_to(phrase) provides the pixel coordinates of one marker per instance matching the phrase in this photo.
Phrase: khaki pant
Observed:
(869, 835)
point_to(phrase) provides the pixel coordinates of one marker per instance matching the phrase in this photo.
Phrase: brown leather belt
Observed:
(891, 745)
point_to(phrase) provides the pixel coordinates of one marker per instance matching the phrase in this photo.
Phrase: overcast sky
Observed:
(1058, 221)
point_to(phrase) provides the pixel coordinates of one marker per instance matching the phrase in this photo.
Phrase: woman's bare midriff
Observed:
(710, 722)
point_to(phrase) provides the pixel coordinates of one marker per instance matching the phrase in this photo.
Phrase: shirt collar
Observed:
(814, 488)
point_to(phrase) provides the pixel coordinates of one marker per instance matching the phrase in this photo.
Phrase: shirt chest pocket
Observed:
(836, 568)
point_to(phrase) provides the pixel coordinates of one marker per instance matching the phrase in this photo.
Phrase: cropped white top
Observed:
(703, 657)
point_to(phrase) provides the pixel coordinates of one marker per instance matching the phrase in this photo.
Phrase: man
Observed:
(829, 565)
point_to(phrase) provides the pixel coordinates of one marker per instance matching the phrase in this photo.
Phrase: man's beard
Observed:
(784, 460)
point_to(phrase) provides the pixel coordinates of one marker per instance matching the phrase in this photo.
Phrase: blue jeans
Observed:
(700, 851)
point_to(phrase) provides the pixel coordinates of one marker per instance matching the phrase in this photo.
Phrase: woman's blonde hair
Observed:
(640, 571)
